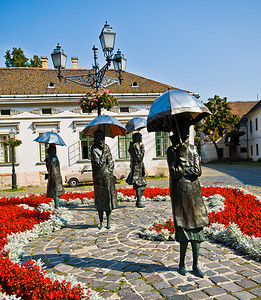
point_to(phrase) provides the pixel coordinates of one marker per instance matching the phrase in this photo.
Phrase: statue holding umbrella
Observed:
(176, 111)
(54, 185)
(136, 150)
(105, 197)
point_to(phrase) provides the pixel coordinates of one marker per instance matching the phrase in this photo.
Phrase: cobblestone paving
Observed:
(120, 265)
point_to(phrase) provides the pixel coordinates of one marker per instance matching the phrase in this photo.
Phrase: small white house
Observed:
(33, 101)
(253, 129)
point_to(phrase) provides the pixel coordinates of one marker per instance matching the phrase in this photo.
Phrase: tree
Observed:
(16, 58)
(35, 62)
(197, 142)
(222, 123)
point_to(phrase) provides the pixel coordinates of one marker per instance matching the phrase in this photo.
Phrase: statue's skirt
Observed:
(185, 235)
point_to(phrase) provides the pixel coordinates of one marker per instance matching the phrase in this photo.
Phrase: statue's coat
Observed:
(103, 179)
(189, 210)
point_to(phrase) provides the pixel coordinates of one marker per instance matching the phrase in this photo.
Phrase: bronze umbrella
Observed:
(108, 124)
(175, 106)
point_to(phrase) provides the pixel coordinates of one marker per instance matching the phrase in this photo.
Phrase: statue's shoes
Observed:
(108, 227)
(140, 205)
(182, 271)
(197, 272)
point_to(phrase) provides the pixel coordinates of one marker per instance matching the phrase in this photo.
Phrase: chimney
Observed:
(44, 60)
(74, 62)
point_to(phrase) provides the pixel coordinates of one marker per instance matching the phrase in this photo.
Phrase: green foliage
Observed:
(221, 123)
(35, 62)
(11, 142)
(233, 136)
(197, 137)
(16, 58)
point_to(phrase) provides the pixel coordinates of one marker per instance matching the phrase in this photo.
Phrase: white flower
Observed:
(232, 236)
(4, 296)
(216, 203)
(163, 235)
(16, 241)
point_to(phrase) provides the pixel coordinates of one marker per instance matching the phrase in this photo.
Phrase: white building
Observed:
(253, 129)
(33, 101)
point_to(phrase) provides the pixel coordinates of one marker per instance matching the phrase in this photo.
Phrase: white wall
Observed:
(254, 136)
(29, 169)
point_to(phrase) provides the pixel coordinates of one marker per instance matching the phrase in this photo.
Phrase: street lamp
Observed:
(229, 150)
(11, 136)
(119, 62)
(96, 76)
(59, 60)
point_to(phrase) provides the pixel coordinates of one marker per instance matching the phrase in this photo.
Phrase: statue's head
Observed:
(181, 127)
(51, 150)
(174, 139)
(137, 137)
(99, 137)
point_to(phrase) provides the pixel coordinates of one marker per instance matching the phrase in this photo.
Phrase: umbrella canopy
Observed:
(108, 124)
(50, 137)
(178, 104)
(135, 123)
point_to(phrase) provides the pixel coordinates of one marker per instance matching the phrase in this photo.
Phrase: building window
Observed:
(86, 144)
(124, 109)
(51, 85)
(243, 149)
(250, 126)
(256, 122)
(135, 84)
(43, 150)
(257, 150)
(251, 150)
(46, 111)
(123, 145)
(5, 112)
(5, 151)
(162, 143)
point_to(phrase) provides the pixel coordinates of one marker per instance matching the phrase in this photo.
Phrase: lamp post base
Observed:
(14, 185)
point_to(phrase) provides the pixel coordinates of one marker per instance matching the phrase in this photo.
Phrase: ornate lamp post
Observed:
(11, 135)
(95, 78)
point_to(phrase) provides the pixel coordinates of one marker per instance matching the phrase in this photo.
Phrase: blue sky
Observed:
(208, 47)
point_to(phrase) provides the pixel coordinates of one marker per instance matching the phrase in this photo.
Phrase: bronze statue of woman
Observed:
(189, 211)
(136, 176)
(54, 185)
(105, 197)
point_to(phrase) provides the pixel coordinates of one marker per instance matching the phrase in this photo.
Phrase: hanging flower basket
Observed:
(11, 142)
(90, 101)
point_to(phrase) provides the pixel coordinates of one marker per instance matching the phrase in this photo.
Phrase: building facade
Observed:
(33, 101)
(247, 148)
(253, 131)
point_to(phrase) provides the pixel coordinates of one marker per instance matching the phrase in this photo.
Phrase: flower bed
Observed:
(235, 219)
(148, 193)
(24, 219)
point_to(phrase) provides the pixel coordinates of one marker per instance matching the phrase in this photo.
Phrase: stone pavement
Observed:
(120, 265)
